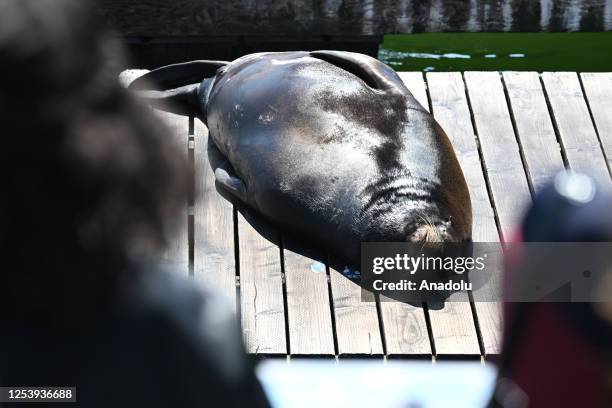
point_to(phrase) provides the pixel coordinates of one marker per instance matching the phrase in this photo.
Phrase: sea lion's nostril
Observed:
(425, 234)
(446, 224)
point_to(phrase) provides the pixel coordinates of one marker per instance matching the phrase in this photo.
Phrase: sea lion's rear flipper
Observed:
(177, 75)
(373, 72)
(232, 183)
(174, 88)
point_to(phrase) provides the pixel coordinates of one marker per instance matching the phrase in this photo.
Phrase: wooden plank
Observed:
(214, 258)
(405, 329)
(357, 326)
(450, 108)
(506, 179)
(598, 89)
(541, 151)
(452, 324)
(176, 254)
(308, 307)
(404, 325)
(261, 292)
(500, 150)
(571, 115)
(415, 83)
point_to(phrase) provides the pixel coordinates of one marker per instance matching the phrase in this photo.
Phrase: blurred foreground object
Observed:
(159, 341)
(91, 187)
(558, 354)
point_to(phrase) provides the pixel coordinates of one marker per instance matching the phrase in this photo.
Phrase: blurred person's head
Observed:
(88, 175)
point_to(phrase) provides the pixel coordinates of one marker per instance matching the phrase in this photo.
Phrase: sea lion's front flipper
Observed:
(177, 75)
(232, 183)
(373, 72)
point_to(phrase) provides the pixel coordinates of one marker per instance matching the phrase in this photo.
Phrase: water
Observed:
(317, 267)
(583, 52)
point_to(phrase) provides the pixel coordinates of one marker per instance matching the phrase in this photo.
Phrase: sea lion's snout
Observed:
(425, 234)
(432, 233)
(441, 241)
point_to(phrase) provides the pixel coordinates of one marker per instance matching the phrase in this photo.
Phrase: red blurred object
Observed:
(557, 354)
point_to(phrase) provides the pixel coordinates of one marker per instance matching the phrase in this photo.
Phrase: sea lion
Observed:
(329, 146)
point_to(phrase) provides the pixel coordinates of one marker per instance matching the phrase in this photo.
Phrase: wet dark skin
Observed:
(331, 147)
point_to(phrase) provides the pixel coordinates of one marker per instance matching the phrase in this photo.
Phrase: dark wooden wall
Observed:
(153, 52)
(230, 28)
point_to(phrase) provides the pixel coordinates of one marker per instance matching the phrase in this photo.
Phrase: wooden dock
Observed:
(511, 131)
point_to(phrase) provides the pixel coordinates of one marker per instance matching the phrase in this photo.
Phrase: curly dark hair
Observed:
(89, 176)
